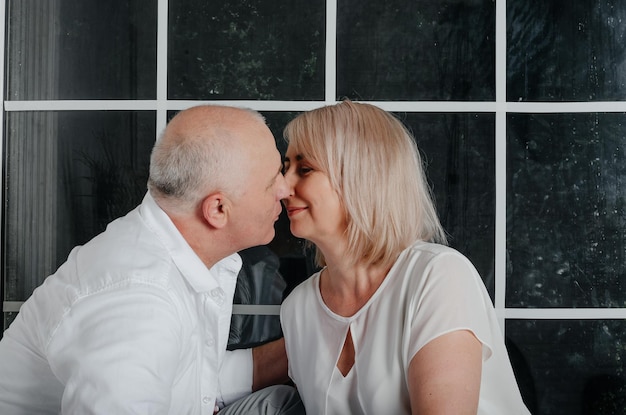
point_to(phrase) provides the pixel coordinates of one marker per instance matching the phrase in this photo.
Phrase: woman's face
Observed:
(314, 208)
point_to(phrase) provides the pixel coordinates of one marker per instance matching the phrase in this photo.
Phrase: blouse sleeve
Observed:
(449, 295)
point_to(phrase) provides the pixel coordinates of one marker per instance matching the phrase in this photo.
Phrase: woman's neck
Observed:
(346, 287)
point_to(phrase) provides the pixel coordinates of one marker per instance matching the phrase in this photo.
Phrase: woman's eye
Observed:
(304, 170)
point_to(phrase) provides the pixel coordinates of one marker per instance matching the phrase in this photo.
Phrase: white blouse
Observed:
(431, 290)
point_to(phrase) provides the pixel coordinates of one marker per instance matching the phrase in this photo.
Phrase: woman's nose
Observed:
(288, 178)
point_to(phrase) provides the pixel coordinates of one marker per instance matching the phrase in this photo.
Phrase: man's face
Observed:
(263, 186)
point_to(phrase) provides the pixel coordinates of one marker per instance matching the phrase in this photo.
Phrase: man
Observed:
(136, 321)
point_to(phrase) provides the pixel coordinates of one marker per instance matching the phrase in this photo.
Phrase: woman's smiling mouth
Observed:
(294, 210)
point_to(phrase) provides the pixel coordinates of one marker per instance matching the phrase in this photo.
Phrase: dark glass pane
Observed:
(459, 150)
(570, 367)
(416, 50)
(87, 49)
(246, 49)
(561, 50)
(566, 220)
(68, 174)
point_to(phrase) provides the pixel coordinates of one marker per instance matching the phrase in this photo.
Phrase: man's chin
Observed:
(269, 238)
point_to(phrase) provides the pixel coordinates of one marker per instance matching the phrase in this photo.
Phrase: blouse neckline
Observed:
(318, 294)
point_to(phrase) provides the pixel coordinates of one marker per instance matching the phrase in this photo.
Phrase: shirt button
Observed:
(206, 400)
(210, 341)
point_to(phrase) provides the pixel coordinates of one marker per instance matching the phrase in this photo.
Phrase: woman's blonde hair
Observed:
(374, 165)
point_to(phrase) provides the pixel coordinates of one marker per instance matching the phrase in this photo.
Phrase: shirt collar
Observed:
(188, 263)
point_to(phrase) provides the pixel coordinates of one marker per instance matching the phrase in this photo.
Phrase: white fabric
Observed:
(345, 396)
(431, 290)
(132, 323)
(273, 400)
(235, 378)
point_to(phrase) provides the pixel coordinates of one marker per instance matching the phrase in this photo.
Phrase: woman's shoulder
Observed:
(426, 258)
(430, 250)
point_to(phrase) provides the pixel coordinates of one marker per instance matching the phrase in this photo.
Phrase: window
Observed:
(518, 107)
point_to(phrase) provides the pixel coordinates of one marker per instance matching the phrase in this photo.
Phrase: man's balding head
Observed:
(201, 151)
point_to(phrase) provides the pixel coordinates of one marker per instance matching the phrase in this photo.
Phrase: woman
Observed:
(395, 322)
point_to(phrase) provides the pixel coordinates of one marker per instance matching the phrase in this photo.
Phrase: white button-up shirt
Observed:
(132, 323)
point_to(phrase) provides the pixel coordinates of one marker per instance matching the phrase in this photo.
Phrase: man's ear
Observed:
(215, 209)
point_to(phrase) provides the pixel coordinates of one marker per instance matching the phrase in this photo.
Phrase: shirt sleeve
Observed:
(235, 378)
(117, 352)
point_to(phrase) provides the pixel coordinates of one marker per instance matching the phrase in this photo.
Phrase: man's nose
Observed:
(284, 187)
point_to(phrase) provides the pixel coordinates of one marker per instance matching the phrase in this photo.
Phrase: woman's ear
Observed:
(215, 209)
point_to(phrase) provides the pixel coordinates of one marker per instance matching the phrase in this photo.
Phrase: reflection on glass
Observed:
(87, 49)
(407, 50)
(566, 220)
(68, 175)
(259, 282)
(566, 50)
(249, 49)
(566, 367)
(459, 151)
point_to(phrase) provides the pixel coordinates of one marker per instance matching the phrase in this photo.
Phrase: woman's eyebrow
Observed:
(299, 157)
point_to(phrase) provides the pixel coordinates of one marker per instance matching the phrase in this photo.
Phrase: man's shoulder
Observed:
(126, 252)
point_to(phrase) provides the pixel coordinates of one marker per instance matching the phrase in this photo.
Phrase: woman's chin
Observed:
(296, 232)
